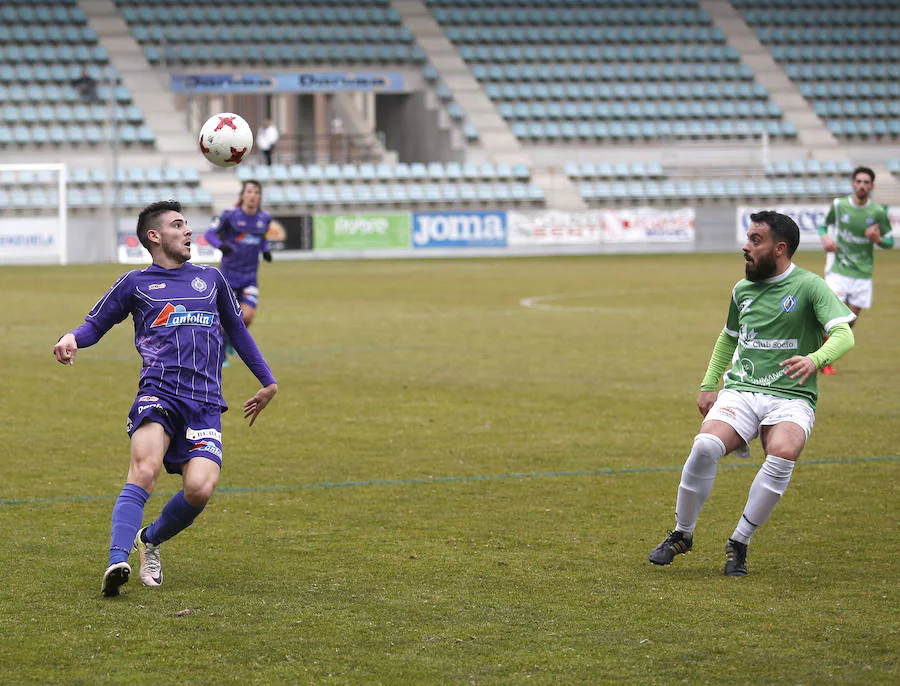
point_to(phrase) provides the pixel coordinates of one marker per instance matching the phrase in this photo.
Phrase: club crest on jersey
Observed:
(198, 284)
(788, 303)
(178, 315)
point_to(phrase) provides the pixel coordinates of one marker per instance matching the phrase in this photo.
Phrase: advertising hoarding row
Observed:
(424, 231)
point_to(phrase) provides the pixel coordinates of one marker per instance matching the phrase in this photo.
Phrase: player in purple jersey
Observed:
(240, 233)
(180, 311)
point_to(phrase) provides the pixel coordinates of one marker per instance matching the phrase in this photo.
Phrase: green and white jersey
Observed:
(776, 319)
(855, 253)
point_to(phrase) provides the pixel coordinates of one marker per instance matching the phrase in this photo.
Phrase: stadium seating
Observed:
(257, 33)
(602, 183)
(90, 188)
(424, 185)
(43, 48)
(845, 60)
(605, 71)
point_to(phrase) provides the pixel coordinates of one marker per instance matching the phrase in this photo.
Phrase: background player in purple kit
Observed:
(180, 311)
(239, 232)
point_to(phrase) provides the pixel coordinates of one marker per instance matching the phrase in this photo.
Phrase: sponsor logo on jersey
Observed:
(148, 399)
(771, 344)
(155, 286)
(745, 305)
(788, 303)
(207, 447)
(200, 434)
(143, 408)
(198, 284)
(249, 238)
(178, 315)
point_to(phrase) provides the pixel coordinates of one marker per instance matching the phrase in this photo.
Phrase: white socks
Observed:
(769, 485)
(697, 480)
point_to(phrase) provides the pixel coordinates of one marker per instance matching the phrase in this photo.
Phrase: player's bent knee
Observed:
(709, 445)
(143, 473)
(198, 495)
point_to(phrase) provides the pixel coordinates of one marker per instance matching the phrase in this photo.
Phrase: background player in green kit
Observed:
(773, 340)
(854, 226)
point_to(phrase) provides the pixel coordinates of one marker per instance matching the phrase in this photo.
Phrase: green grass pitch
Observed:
(459, 482)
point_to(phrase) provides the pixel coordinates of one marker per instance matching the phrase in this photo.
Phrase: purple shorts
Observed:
(249, 295)
(195, 428)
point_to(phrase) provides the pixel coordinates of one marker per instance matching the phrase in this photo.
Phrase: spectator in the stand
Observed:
(86, 85)
(267, 138)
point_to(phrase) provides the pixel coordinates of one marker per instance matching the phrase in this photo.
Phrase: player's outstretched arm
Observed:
(65, 349)
(258, 402)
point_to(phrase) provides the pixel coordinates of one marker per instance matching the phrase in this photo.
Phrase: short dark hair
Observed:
(782, 227)
(864, 170)
(148, 216)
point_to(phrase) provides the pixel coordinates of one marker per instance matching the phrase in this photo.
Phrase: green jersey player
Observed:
(853, 227)
(773, 341)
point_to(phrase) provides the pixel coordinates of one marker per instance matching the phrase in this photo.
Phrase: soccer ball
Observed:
(226, 139)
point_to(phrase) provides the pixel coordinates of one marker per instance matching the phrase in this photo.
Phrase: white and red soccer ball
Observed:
(226, 139)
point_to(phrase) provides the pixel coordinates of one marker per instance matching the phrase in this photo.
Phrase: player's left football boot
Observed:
(735, 558)
(115, 576)
(151, 567)
(676, 543)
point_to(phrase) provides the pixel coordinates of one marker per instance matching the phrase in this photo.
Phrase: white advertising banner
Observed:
(594, 227)
(130, 250)
(32, 240)
(808, 218)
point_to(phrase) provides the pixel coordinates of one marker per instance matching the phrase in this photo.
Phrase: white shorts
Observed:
(856, 292)
(745, 412)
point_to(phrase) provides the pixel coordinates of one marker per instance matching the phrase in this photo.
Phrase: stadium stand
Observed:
(563, 74)
(845, 59)
(90, 188)
(417, 184)
(360, 32)
(639, 182)
(43, 48)
(607, 71)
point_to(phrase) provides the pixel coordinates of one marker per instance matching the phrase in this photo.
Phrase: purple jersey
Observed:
(245, 235)
(178, 317)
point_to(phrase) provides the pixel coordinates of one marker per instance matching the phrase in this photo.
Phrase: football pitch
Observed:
(460, 480)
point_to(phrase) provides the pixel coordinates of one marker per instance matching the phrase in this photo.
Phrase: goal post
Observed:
(34, 216)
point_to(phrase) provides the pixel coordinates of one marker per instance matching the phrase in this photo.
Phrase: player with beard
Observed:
(773, 342)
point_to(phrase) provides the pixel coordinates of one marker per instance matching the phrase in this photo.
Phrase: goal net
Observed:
(33, 214)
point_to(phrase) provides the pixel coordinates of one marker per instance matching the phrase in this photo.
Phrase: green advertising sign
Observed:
(360, 231)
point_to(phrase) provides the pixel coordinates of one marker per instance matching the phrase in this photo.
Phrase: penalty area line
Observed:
(464, 478)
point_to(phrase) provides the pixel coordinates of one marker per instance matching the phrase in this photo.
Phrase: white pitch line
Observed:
(544, 302)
